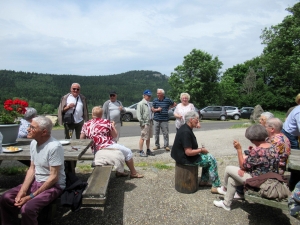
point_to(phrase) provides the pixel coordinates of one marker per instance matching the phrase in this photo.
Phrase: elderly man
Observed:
(113, 110)
(25, 121)
(144, 115)
(75, 103)
(291, 129)
(160, 108)
(45, 178)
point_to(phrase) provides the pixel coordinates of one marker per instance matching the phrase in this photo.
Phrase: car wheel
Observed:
(127, 117)
(236, 117)
(223, 118)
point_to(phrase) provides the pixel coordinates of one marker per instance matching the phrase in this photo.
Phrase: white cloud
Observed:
(110, 37)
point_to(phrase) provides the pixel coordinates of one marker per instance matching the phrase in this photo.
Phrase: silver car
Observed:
(213, 112)
(130, 113)
(233, 112)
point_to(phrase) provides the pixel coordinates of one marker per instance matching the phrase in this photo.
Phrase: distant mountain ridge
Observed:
(44, 91)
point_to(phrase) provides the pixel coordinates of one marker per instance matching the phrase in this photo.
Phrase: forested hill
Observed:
(44, 91)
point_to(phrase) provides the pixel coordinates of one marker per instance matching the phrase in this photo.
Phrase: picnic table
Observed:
(71, 154)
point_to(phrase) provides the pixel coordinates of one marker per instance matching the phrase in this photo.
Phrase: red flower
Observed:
(14, 109)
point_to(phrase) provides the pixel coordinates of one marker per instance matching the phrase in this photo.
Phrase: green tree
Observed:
(281, 58)
(198, 75)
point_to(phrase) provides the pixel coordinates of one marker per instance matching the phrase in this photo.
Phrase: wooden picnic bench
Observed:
(293, 165)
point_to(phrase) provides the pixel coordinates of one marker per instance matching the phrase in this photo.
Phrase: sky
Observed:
(105, 37)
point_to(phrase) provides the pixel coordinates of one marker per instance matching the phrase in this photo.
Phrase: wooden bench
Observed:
(253, 196)
(95, 192)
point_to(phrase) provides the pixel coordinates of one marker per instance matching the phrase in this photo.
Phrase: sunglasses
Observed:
(112, 95)
(76, 89)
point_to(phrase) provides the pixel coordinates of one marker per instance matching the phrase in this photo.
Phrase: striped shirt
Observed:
(165, 104)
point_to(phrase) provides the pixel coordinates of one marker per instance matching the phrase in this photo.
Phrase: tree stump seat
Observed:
(186, 178)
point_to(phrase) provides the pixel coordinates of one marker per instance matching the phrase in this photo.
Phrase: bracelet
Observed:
(31, 195)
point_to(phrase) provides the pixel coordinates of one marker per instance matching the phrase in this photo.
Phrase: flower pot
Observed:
(10, 133)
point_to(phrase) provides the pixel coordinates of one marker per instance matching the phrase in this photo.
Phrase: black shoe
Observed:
(142, 154)
(149, 152)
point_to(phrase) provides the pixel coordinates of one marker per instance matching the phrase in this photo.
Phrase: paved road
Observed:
(130, 129)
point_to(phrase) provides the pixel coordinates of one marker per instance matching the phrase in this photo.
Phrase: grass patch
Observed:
(162, 166)
(241, 125)
(85, 168)
(141, 164)
(13, 170)
(280, 115)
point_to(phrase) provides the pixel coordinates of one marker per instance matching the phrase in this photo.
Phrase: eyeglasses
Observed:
(31, 127)
(112, 95)
(76, 89)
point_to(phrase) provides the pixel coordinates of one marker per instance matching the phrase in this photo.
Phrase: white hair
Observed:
(268, 115)
(161, 90)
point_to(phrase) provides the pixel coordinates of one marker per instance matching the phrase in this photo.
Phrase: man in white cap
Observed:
(113, 110)
(144, 115)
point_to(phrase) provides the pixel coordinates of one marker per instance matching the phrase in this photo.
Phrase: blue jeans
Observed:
(295, 175)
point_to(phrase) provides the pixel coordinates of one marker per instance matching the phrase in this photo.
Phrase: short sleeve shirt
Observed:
(99, 130)
(165, 104)
(51, 153)
(184, 138)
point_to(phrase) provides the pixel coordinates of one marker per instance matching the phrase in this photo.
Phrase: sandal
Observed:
(119, 174)
(136, 175)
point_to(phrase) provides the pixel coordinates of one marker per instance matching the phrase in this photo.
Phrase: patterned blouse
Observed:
(283, 147)
(182, 110)
(261, 160)
(23, 128)
(99, 130)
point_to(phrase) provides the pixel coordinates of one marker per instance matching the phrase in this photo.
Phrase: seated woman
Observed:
(185, 151)
(264, 117)
(25, 121)
(280, 141)
(262, 158)
(102, 131)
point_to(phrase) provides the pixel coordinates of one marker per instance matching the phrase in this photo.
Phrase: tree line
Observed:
(271, 79)
(44, 91)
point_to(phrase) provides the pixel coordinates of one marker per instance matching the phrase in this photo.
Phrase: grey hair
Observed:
(75, 84)
(190, 115)
(30, 113)
(161, 90)
(268, 115)
(275, 123)
(256, 132)
(185, 94)
(44, 123)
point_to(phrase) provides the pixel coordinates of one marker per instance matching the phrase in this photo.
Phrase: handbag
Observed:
(69, 117)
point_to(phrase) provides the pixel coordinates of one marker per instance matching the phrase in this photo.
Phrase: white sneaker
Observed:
(221, 190)
(221, 205)
(238, 197)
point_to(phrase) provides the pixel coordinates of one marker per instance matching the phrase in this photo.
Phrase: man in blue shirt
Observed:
(160, 108)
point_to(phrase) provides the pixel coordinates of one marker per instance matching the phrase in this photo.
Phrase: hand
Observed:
(241, 173)
(204, 151)
(159, 109)
(20, 195)
(237, 145)
(113, 124)
(22, 201)
(71, 105)
(120, 108)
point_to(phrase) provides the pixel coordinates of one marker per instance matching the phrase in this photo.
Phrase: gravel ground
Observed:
(154, 200)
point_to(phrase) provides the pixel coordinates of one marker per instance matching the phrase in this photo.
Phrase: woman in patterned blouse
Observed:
(262, 158)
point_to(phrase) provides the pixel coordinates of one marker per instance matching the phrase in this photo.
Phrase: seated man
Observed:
(185, 151)
(45, 178)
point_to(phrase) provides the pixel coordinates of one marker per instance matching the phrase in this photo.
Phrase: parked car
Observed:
(246, 112)
(233, 112)
(171, 113)
(130, 113)
(213, 112)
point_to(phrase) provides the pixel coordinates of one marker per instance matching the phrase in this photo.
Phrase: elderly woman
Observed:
(262, 159)
(25, 121)
(280, 141)
(102, 131)
(185, 151)
(182, 108)
(264, 117)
